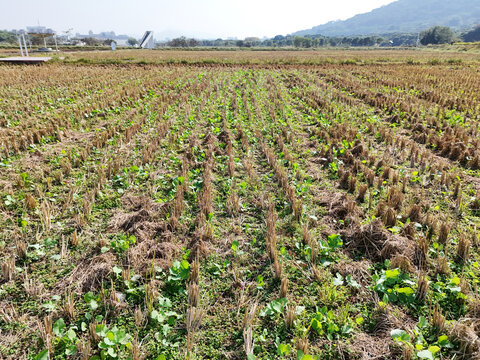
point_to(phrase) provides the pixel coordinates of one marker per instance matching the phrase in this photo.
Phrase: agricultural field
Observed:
(259, 205)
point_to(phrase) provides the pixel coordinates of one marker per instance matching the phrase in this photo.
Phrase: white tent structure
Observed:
(42, 32)
(147, 41)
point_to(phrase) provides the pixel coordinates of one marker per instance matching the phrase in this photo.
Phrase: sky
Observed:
(170, 18)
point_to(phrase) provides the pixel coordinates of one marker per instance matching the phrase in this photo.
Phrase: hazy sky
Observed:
(200, 18)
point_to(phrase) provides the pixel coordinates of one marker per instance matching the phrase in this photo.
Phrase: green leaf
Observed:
(405, 290)
(49, 306)
(334, 241)
(93, 305)
(422, 322)
(284, 349)
(59, 327)
(101, 330)
(110, 339)
(443, 340)
(71, 350)
(277, 306)
(111, 352)
(400, 335)
(251, 357)
(433, 349)
(425, 354)
(260, 282)
(235, 246)
(71, 334)
(351, 281)
(185, 265)
(392, 274)
(338, 280)
(43, 355)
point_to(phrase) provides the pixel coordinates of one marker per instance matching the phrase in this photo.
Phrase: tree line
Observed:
(434, 35)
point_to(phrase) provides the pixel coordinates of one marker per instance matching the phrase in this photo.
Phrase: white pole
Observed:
(56, 46)
(20, 44)
(25, 43)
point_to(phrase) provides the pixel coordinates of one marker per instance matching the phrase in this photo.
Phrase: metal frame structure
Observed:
(21, 37)
(22, 42)
(147, 41)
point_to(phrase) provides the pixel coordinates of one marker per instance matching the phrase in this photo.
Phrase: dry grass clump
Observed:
(21, 248)
(415, 213)
(303, 344)
(136, 350)
(75, 240)
(369, 239)
(8, 269)
(233, 203)
(463, 248)
(46, 332)
(193, 294)
(438, 319)
(421, 252)
(344, 178)
(88, 275)
(443, 233)
(271, 236)
(395, 198)
(46, 216)
(465, 333)
(390, 217)
(442, 266)
(32, 287)
(422, 287)
(193, 321)
(362, 190)
(290, 316)
(140, 317)
(277, 267)
(30, 202)
(248, 319)
(283, 288)
(402, 262)
(68, 305)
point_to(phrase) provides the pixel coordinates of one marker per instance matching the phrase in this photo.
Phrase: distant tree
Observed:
(333, 41)
(437, 35)
(183, 42)
(7, 37)
(298, 41)
(473, 35)
(132, 41)
(219, 42)
(307, 42)
(192, 43)
(91, 41)
(108, 42)
(178, 42)
(252, 41)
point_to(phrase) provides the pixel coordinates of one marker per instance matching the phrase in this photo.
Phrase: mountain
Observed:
(404, 16)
